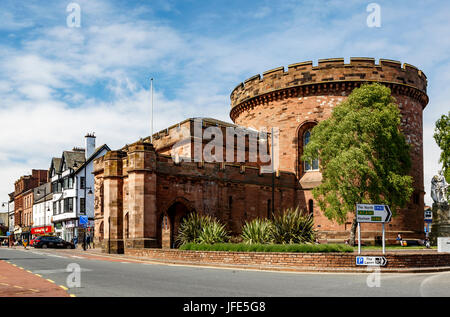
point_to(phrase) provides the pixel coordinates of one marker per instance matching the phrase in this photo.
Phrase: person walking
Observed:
(84, 241)
(88, 241)
(75, 241)
(399, 239)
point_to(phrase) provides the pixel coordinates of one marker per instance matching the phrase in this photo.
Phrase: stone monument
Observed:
(441, 210)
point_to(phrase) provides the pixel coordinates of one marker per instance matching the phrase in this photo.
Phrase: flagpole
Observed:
(151, 88)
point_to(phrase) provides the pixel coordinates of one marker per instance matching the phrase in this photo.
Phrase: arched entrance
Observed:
(170, 222)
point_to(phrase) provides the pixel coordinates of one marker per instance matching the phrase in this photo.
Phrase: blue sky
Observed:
(58, 83)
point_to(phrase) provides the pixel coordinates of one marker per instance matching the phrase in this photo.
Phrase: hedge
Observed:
(242, 247)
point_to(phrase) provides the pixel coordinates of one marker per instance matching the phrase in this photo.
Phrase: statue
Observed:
(439, 188)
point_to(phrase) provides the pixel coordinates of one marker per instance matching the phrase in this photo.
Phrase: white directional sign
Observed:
(373, 213)
(371, 260)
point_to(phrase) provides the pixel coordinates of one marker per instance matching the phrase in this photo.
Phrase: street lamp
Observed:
(90, 192)
(3, 205)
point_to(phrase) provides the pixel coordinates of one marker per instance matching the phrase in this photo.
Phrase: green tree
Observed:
(364, 157)
(442, 137)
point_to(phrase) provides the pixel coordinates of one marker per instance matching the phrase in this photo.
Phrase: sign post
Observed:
(359, 238)
(370, 213)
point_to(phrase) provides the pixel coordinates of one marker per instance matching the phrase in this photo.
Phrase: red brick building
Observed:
(144, 189)
(23, 200)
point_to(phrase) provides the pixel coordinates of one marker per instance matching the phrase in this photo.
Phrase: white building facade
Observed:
(72, 185)
(42, 210)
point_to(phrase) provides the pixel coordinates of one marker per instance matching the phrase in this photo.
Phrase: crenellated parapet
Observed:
(330, 76)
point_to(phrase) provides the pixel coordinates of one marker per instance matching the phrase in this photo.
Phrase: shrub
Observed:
(257, 231)
(243, 247)
(293, 227)
(198, 228)
(213, 232)
(191, 228)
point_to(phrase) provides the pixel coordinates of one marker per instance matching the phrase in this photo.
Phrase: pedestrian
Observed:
(84, 242)
(88, 241)
(75, 241)
(427, 243)
(399, 239)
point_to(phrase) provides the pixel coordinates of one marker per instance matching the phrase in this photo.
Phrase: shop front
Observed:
(43, 230)
(59, 230)
(70, 229)
(26, 234)
(17, 233)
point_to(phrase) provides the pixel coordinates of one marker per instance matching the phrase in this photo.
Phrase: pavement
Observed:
(15, 281)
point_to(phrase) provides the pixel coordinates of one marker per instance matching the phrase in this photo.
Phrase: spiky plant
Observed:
(293, 226)
(213, 232)
(191, 227)
(257, 231)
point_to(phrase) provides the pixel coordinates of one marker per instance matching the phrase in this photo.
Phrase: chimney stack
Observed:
(90, 144)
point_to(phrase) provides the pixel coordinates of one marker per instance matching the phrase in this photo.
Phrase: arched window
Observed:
(126, 227)
(101, 231)
(309, 166)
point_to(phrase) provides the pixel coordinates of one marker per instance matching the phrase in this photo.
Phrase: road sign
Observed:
(373, 213)
(371, 260)
(84, 221)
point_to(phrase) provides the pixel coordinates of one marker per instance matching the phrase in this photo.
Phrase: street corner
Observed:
(16, 281)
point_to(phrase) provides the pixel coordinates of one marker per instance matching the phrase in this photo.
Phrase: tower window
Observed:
(311, 165)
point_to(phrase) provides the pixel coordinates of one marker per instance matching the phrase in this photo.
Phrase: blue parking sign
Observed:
(359, 260)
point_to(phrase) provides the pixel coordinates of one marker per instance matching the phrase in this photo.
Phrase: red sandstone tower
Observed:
(297, 99)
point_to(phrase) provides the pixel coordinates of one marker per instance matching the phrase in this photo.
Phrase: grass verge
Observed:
(242, 247)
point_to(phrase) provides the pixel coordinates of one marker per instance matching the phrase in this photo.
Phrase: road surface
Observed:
(102, 276)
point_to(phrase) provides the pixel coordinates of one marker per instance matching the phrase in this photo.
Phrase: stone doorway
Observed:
(170, 224)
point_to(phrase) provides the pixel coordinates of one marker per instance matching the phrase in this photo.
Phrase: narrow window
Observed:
(82, 182)
(309, 166)
(311, 206)
(83, 205)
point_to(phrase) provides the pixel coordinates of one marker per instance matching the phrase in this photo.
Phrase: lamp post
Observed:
(3, 205)
(90, 192)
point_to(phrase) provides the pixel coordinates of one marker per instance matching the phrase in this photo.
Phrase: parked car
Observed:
(32, 240)
(52, 242)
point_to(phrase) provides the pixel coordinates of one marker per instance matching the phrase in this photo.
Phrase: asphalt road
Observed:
(108, 278)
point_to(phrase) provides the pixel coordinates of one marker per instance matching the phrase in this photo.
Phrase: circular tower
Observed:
(297, 99)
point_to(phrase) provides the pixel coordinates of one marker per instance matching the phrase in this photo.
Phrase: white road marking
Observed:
(429, 279)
